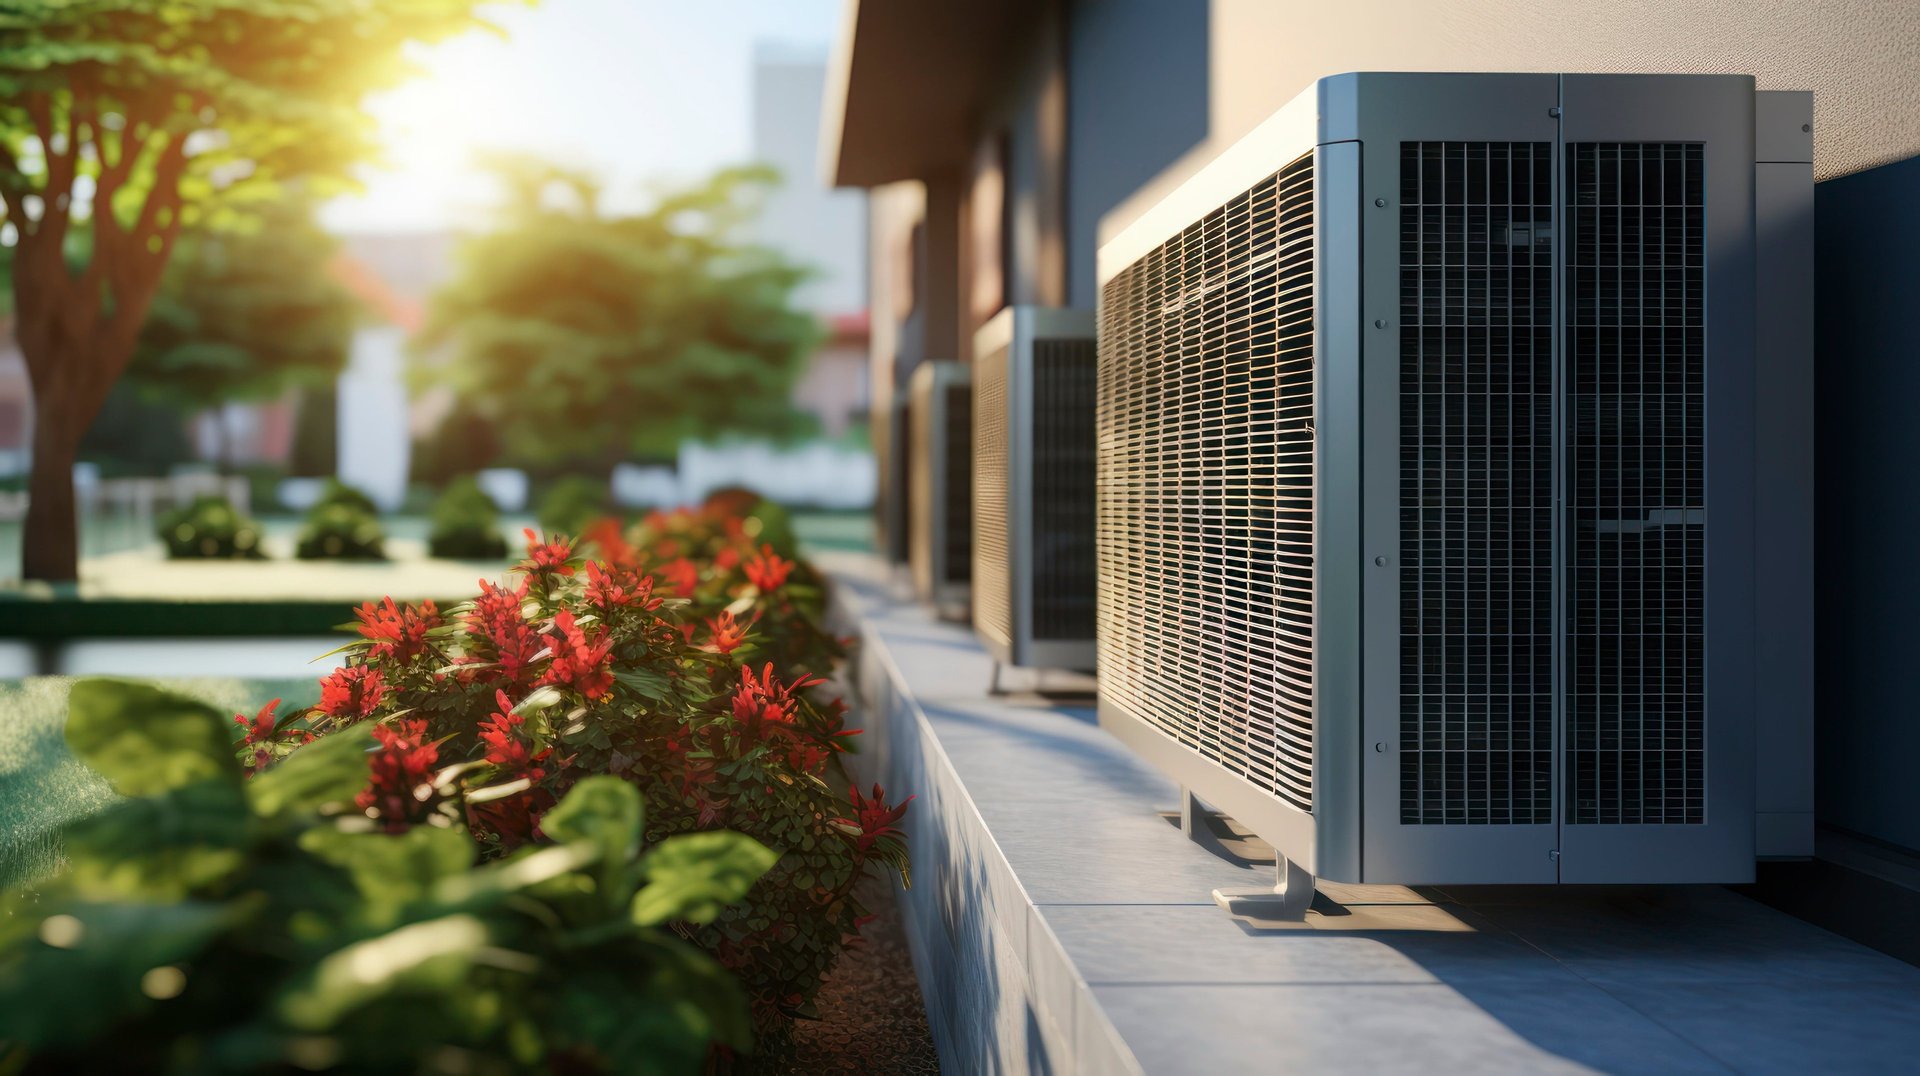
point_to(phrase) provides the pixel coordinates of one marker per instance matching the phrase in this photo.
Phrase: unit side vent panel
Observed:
(959, 483)
(1636, 601)
(1476, 483)
(1063, 489)
(992, 564)
(1205, 516)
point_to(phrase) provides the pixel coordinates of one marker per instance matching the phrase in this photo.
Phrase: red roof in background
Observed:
(367, 285)
(849, 328)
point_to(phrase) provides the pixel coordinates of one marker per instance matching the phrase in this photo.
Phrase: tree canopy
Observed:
(246, 313)
(586, 334)
(123, 122)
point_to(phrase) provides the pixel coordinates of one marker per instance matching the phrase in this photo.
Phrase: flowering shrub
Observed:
(210, 924)
(683, 660)
(210, 527)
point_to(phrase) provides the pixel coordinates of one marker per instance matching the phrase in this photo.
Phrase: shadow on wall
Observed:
(1867, 449)
(1133, 126)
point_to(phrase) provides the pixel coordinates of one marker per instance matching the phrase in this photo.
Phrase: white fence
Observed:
(814, 475)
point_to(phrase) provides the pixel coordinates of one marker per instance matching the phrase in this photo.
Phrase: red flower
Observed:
(579, 662)
(609, 587)
(398, 632)
(399, 790)
(764, 706)
(550, 556)
(262, 734)
(498, 618)
(352, 692)
(873, 818)
(767, 570)
(808, 758)
(682, 575)
(728, 633)
(500, 732)
(727, 559)
(604, 534)
(259, 727)
(496, 605)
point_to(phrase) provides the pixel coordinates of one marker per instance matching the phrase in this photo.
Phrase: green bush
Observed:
(342, 525)
(210, 528)
(466, 525)
(210, 923)
(573, 502)
(338, 492)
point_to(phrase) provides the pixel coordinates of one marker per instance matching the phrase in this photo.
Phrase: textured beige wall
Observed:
(1860, 57)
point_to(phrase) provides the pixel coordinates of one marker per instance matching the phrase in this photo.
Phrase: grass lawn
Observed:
(42, 786)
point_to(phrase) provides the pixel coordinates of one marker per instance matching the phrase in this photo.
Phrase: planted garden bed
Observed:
(592, 819)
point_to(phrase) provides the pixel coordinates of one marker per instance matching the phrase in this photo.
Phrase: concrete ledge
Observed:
(1060, 923)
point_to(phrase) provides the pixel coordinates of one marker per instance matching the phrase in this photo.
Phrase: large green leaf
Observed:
(652, 1006)
(695, 875)
(393, 871)
(603, 811)
(160, 847)
(434, 955)
(86, 968)
(144, 740)
(331, 770)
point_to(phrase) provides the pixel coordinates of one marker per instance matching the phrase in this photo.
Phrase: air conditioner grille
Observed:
(958, 434)
(1636, 349)
(1476, 483)
(1205, 516)
(1063, 488)
(992, 564)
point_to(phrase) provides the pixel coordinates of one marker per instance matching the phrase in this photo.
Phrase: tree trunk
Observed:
(50, 547)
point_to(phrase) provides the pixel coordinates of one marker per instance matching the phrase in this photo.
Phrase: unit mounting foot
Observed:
(1287, 901)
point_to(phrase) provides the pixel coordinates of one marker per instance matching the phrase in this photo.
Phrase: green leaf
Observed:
(694, 876)
(602, 811)
(330, 770)
(433, 956)
(393, 870)
(652, 1005)
(144, 740)
(83, 970)
(160, 847)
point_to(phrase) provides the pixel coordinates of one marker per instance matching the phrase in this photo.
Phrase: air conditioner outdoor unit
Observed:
(1033, 491)
(940, 454)
(896, 480)
(1427, 480)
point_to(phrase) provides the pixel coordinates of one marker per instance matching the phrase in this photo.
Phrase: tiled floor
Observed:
(1120, 929)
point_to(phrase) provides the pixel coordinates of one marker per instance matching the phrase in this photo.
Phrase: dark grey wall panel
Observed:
(1137, 80)
(1868, 483)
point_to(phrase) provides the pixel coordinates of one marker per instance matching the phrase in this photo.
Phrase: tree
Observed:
(124, 121)
(590, 336)
(246, 313)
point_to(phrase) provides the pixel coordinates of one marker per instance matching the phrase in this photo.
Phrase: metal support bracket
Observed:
(1287, 901)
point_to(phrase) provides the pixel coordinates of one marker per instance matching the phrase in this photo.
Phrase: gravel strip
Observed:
(872, 1019)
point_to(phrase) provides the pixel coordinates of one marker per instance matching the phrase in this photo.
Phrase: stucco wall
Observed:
(1860, 57)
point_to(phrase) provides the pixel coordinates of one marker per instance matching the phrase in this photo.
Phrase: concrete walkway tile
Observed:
(1790, 1027)
(1375, 1029)
(1114, 945)
(1682, 936)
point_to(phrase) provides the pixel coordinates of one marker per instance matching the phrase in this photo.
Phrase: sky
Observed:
(640, 92)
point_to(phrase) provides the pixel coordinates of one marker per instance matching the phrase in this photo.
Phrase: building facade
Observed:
(1000, 143)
